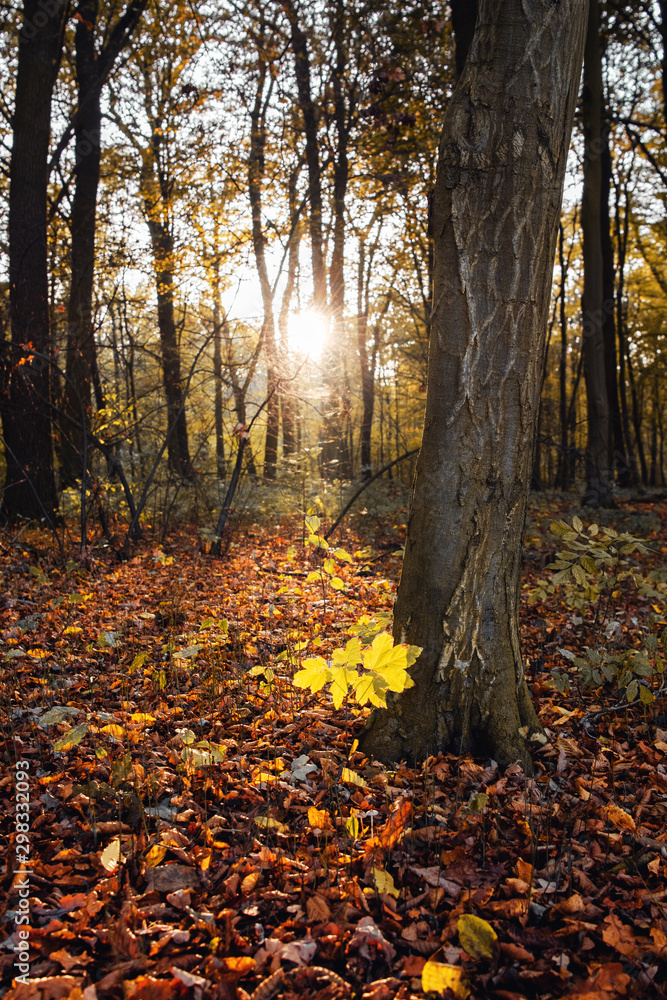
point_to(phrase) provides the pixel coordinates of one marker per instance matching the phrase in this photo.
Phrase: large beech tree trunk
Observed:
(495, 220)
(30, 489)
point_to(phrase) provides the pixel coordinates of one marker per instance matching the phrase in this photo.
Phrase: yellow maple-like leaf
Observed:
(342, 680)
(371, 687)
(438, 977)
(477, 937)
(38, 654)
(348, 657)
(314, 674)
(72, 630)
(142, 718)
(391, 661)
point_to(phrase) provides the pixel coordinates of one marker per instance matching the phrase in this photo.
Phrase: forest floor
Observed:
(198, 827)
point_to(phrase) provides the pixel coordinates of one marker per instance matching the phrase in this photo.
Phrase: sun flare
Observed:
(307, 332)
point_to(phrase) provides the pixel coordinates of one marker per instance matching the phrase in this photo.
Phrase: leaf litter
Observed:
(201, 827)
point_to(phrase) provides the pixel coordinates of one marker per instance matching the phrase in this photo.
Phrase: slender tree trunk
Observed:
(30, 489)
(562, 477)
(309, 114)
(288, 398)
(92, 70)
(495, 220)
(598, 480)
(617, 457)
(255, 176)
(336, 453)
(162, 244)
(219, 319)
(663, 32)
(622, 233)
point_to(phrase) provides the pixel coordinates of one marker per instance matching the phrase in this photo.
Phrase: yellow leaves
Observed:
(116, 731)
(139, 660)
(353, 778)
(385, 667)
(384, 882)
(438, 977)
(314, 674)
(320, 819)
(249, 883)
(477, 937)
(72, 630)
(155, 856)
(142, 719)
(71, 738)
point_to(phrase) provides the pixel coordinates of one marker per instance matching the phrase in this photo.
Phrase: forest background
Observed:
(216, 315)
(228, 238)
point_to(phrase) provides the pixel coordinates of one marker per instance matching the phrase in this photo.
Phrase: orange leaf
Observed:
(394, 828)
(319, 819)
(619, 936)
(620, 818)
(249, 883)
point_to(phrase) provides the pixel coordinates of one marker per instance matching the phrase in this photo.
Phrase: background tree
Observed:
(30, 489)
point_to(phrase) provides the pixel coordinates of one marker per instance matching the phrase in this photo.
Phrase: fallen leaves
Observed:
(200, 829)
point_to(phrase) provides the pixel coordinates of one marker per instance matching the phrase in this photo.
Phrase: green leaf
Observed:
(579, 574)
(577, 524)
(632, 690)
(589, 564)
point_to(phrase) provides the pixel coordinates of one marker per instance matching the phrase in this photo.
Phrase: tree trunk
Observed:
(288, 398)
(663, 32)
(617, 458)
(92, 70)
(255, 176)
(622, 233)
(598, 480)
(163, 257)
(562, 475)
(308, 112)
(30, 489)
(495, 219)
(218, 319)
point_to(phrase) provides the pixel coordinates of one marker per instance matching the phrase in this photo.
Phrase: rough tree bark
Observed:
(495, 219)
(30, 489)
